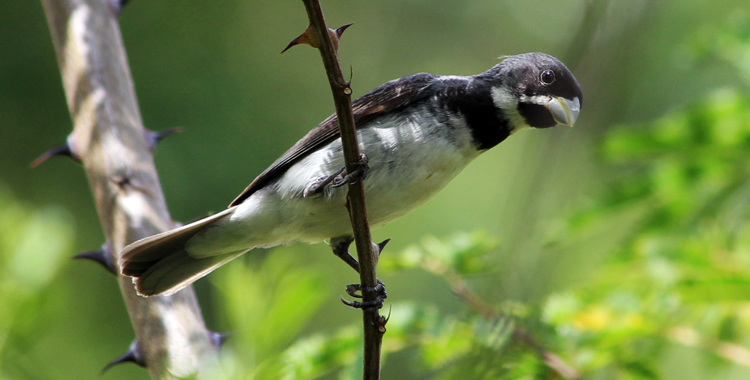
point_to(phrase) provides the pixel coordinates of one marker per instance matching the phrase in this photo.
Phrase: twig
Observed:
(374, 324)
(727, 350)
(461, 288)
(108, 137)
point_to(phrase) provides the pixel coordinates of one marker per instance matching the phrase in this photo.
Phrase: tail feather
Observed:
(177, 271)
(160, 263)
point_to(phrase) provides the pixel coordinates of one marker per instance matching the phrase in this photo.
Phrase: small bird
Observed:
(417, 132)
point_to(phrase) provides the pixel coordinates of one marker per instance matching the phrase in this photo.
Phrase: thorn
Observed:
(154, 138)
(310, 38)
(336, 35)
(382, 320)
(382, 245)
(131, 355)
(117, 5)
(62, 150)
(100, 256)
(351, 75)
(340, 30)
(218, 339)
(304, 38)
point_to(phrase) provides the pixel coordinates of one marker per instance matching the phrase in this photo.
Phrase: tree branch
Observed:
(374, 324)
(108, 137)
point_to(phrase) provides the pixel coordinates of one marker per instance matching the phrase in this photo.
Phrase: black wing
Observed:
(386, 98)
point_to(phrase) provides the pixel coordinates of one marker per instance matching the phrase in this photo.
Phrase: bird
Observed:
(416, 133)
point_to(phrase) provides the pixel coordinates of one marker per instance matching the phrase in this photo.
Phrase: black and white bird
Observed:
(418, 132)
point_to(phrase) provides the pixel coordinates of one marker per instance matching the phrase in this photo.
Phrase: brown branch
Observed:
(108, 137)
(730, 351)
(374, 324)
(461, 288)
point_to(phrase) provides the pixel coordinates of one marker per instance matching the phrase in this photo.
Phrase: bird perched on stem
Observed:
(418, 132)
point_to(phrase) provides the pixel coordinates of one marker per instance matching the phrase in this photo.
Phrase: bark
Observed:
(109, 139)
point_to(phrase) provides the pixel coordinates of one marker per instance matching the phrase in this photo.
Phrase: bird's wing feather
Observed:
(386, 98)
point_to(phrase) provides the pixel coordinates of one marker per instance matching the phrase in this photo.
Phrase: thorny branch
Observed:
(111, 143)
(367, 254)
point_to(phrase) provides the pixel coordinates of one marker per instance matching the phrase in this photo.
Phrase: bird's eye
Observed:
(547, 77)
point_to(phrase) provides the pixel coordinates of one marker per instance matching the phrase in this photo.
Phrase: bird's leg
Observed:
(340, 247)
(359, 174)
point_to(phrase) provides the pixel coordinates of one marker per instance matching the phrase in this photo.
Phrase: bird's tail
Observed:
(161, 265)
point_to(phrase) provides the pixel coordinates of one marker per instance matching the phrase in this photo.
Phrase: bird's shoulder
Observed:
(386, 98)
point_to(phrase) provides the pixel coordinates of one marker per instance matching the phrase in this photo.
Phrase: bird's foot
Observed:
(338, 178)
(376, 303)
(357, 175)
(340, 248)
(317, 186)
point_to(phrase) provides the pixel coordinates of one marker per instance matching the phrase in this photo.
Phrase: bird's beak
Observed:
(564, 111)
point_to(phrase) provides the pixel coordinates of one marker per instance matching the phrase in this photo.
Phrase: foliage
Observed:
(684, 276)
(641, 273)
(32, 244)
(678, 276)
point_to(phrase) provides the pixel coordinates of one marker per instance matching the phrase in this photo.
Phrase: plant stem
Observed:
(366, 254)
(461, 288)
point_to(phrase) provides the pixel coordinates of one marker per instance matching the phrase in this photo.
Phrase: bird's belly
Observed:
(408, 164)
(393, 190)
(390, 192)
(399, 180)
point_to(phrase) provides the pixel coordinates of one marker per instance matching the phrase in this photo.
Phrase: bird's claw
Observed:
(338, 178)
(318, 186)
(358, 175)
(354, 288)
(340, 248)
(376, 303)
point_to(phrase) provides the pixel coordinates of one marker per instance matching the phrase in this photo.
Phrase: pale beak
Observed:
(564, 111)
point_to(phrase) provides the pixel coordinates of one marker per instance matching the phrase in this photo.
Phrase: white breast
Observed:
(410, 161)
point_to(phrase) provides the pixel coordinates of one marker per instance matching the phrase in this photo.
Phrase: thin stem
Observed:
(366, 254)
(461, 288)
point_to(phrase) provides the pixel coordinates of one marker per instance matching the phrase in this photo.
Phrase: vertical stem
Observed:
(366, 254)
(108, 136)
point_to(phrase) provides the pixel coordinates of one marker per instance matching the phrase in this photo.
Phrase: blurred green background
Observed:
(621, 245)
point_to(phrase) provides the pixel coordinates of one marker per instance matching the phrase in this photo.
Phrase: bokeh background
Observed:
(620, 245)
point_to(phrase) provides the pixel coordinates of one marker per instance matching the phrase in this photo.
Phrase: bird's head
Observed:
(535, 90)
